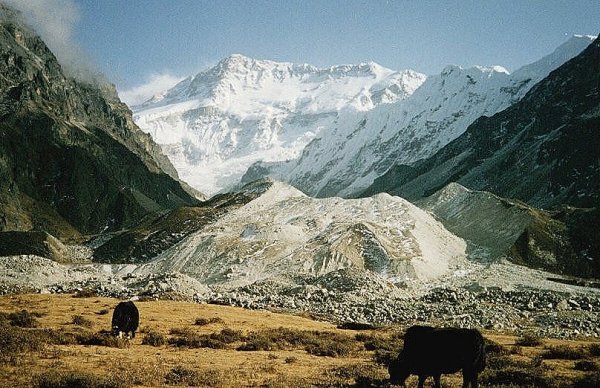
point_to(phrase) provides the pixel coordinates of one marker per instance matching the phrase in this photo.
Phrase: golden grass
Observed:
(289, 363)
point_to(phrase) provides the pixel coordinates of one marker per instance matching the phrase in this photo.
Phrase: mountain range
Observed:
(478, 151)
(544, 149)
(536, 150)
(215, 124)
(325, 131)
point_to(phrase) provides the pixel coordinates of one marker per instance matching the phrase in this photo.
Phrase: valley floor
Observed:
(61, 341)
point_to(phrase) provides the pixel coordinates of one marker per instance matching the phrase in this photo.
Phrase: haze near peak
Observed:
(55, 21)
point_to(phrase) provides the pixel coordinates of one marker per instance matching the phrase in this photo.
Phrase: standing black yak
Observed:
(431, 351)
(125, 319)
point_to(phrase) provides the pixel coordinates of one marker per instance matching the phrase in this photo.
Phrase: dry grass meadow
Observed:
(59, 341)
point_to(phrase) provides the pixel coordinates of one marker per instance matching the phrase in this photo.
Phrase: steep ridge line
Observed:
(543, 150)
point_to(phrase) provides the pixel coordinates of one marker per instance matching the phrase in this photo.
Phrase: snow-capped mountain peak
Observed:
(218, 122)
(329, 131)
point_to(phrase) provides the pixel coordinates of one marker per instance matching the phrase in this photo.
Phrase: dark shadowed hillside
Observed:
(71, 159)
(146, 240)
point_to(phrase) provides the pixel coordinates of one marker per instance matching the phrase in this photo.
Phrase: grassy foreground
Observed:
(59, 341)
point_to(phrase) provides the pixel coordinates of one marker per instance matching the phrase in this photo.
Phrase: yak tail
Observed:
(480, 357)
(480, 362)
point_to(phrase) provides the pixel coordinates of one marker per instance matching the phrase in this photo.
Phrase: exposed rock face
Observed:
(544, 150)
(489, 223)
(496, 227)
(496, 296)
(71, 159)
(150, 238)
(37, 243)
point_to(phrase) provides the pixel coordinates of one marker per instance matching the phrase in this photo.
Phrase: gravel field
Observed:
(499, 296)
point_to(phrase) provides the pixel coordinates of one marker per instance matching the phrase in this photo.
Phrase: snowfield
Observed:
(214, 125)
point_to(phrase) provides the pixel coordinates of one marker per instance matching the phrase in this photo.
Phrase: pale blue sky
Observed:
(130, 40)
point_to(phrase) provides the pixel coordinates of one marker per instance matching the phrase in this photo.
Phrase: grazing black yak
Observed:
(431, 351)
(125, 319)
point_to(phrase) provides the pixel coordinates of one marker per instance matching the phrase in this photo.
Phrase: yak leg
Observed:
(469, 378)
(436, 381)
(474, 383)
(422, 379)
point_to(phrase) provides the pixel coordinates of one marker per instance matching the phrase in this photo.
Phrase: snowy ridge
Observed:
(362, 146)
(562, 54)
(328, 132)
(239, 85)
(215, 124)
(284, 232)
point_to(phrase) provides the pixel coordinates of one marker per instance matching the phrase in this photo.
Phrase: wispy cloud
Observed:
(54, 21)
(155, 84)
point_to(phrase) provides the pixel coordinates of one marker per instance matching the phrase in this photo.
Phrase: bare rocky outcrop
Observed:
(148, 239)
(38, 243)
(283, 231)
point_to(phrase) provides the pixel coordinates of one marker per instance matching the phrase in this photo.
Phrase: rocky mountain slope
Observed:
(215, 124)
(544, 150)
(153, 236)
(72, 160)
(373, 260)
(33, 242)
(561, 241)
(496, 296)
(360, 146)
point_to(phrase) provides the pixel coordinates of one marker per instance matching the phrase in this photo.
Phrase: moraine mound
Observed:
(562, 241)
(284, 231)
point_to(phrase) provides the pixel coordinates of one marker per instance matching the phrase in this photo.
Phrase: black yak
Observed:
(431, 351)
(125, 319)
